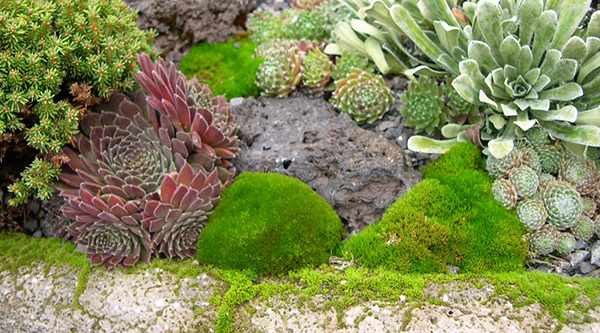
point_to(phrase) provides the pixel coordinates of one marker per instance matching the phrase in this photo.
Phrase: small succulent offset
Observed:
(145, 172)
(347, 62)
(280, 73)
(544, 240)
(316, 70)
(424, 105)
(363, 96)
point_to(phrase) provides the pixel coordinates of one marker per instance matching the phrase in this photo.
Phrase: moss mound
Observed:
(450, 218)
(268, 223)
(227, 68)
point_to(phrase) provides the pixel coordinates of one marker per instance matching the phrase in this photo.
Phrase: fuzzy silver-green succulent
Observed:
(565, 243)
(499, 167)
(424, 105)
(505, 193)
(316, 70)
(525, 180)
(532, 213)
(583, 229)
(543, 241)
(581, 174)
(550, 158)
(363, 96)
(563, 203)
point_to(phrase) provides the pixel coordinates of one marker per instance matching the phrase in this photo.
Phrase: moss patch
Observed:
(227, 68)
(269, 223)
(450, 218)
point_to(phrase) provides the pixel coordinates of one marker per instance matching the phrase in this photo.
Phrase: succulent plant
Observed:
(347, 62)
(545, 179)
(363, 96)
(180, 213)
(538, 136)
(525, 180)
(589, 206)
(499, 167)
(528, 156)
(280, 73)
(210, 131)
(583, 229)
(532, 213)
(504, 192)
(550, 158)
(565, 243)
(316, 70)
(264, 26)
(522, 73)
(581, 174)
(304, 24)
(543, 241)
(145, 172)
(597, 226)
(563, 204)
(424, 105)
(458, 108)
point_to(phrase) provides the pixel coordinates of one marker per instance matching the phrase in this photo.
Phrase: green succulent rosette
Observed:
(563, 203)
(532, 213)
(264, 26)
(424, 105)
(280, 73)
(363, 96)
(543, 241)
(347, 62)
(505, 193)
(565, 243)
(316, 70)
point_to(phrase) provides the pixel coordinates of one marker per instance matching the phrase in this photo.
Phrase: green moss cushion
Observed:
(227, 68)
(450, 218)
(269, 223)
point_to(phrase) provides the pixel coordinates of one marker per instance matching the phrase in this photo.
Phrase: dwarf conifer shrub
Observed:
(269, 224)
(450, 218)
(46, 46)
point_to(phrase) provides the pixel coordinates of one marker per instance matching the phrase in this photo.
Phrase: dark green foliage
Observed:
(46, 46)
(268, 223)
(450, 218)
(226, 69)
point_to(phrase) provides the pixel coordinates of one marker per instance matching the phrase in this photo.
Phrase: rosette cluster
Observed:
(146, 171)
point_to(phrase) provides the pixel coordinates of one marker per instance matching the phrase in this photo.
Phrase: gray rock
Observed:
(579, 245)
(31, 225)
(392, 133)
(34, 207)
(181, 24)
(586, 268)
(577, 257)
(596, 254)
(358, 172)
(38, 233)
(384, 125)
(453, 270)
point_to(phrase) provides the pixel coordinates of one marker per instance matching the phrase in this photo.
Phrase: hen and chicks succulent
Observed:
(148, 169)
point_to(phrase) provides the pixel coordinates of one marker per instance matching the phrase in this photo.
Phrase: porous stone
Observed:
(595, 254)
(183, 23)
(578, 257)
(359, 172)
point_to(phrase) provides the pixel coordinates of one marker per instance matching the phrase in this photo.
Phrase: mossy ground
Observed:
(227, 68)
(556, 294)
(450, 218)
(268, 223)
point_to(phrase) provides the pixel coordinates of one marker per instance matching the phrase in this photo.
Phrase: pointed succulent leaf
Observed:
(430, 146)
(587, 135)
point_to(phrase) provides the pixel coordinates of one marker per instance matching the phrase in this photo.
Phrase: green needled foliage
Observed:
(46, 46)
(218, 65)
(450, 218)
(269, 224)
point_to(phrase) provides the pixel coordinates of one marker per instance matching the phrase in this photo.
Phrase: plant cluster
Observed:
(523, 63)
(45, 47)
(449, 218)
(556, 195)
(146, 171)
(268, 223)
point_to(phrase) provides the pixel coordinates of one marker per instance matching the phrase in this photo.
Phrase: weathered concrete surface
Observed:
(154, 301)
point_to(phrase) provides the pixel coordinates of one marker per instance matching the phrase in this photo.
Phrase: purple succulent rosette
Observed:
(144, 175)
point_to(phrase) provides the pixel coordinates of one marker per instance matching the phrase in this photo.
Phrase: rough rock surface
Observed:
(154, 301)
(360, 173)
(183, 23)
